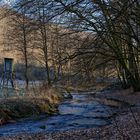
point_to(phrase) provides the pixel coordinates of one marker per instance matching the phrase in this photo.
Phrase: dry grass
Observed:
(37, 100)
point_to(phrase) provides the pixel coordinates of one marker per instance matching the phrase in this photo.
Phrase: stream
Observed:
(81, 112)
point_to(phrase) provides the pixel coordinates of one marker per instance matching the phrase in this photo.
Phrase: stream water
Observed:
(81, 112)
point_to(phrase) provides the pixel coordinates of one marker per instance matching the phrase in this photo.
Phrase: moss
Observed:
(44, 108)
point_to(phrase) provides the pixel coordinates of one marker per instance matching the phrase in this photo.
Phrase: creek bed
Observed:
(81, 112)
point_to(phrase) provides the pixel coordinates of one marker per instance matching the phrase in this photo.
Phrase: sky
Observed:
(9, 2)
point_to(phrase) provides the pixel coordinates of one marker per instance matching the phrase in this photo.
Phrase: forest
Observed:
(70, 69)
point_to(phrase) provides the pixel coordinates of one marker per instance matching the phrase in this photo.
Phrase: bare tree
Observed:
(19, 36)
(116, 23)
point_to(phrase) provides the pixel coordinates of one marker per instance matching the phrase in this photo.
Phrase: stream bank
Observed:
(44, 102)
(78, 116)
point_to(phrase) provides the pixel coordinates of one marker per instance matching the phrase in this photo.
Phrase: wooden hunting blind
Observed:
(8, 65)
(8, 73)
